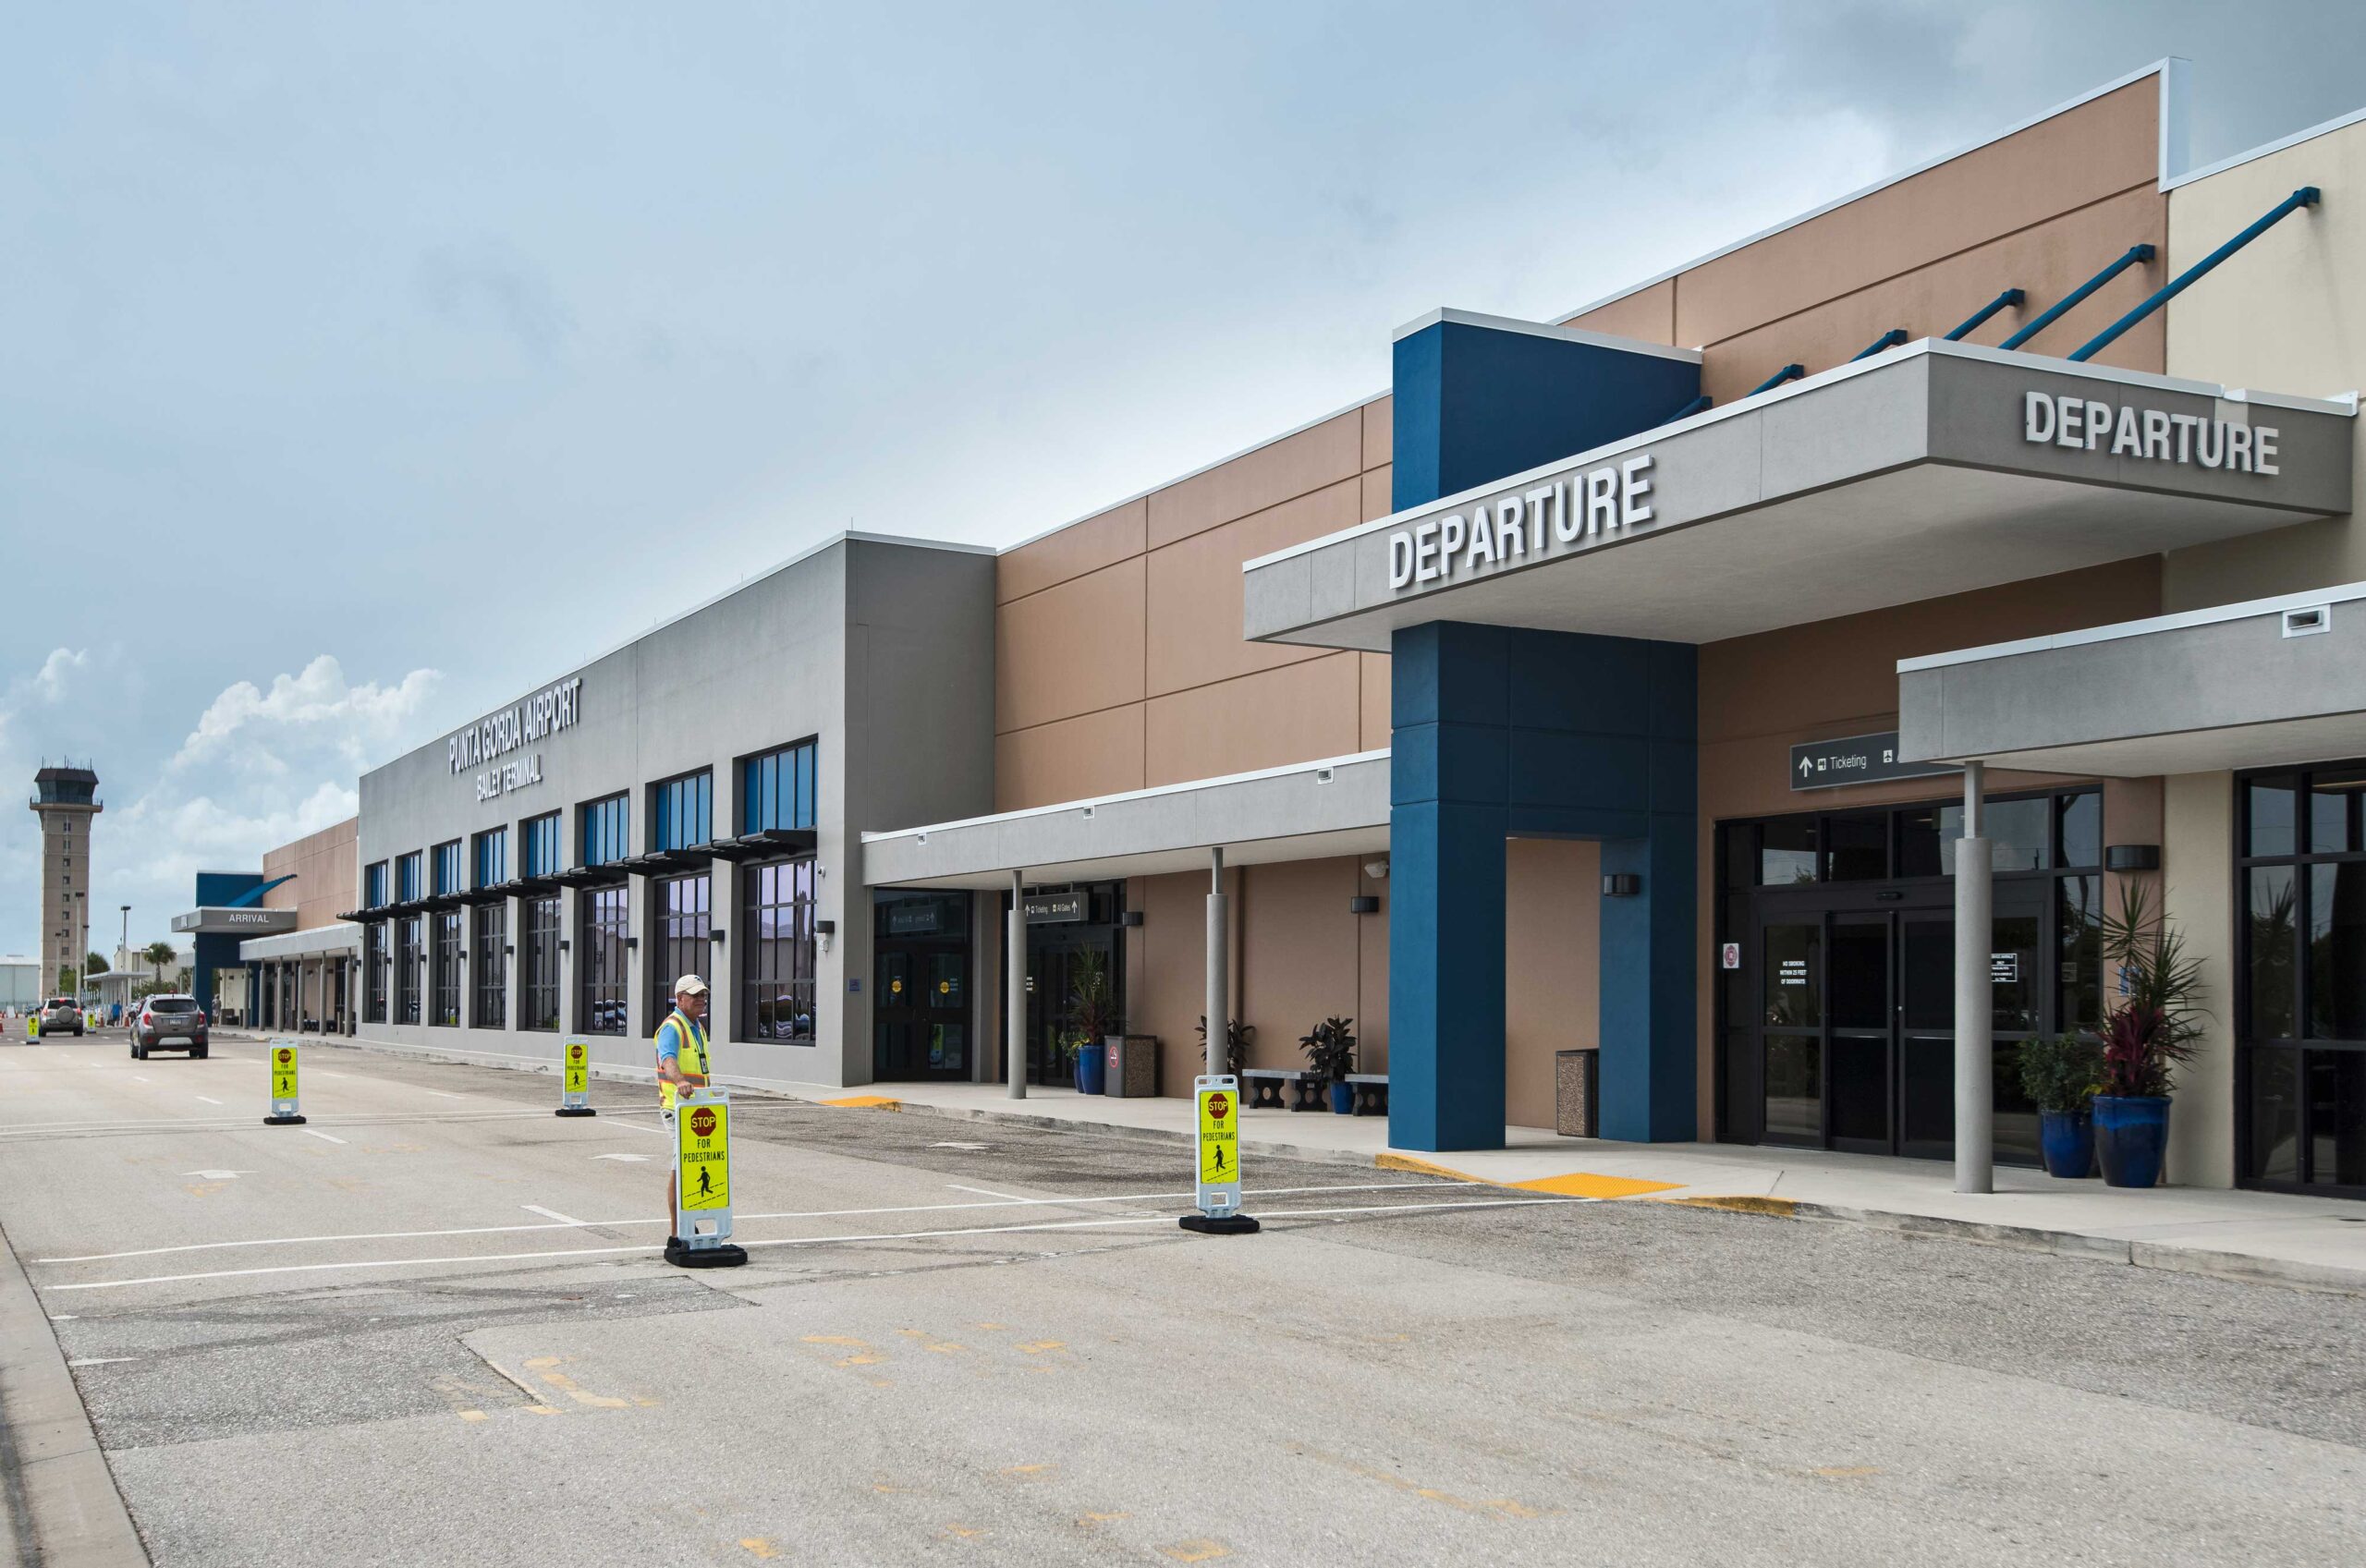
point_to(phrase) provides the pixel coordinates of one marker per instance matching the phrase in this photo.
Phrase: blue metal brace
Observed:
(1889, 339)
(2134, 254)
(2010, 296)
(1788, 372)
(2307, 196)
(1697, 405)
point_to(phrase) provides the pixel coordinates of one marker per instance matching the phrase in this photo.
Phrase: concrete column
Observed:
(1975, 998)
(1219, 951)
(1015, 985)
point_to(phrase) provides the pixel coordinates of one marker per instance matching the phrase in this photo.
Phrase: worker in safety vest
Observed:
(681, 1063)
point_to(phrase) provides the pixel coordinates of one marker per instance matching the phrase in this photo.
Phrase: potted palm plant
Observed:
(2145, 1039)
(1330, 1049)
(2060, 1076)
(1092, 1012)
(1238, 1036)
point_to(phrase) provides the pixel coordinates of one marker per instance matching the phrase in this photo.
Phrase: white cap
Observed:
(689, 985)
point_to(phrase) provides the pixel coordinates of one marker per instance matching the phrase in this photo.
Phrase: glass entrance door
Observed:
(921, 1017)
(1856, 1030)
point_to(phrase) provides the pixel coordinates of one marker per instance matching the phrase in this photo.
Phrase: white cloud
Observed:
(49, 684)
(317, 707)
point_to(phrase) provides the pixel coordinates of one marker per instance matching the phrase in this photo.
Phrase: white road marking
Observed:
(981, 1191)
(447, 1094)
(819, 1241)
(209, 1099)
(325, 1137)
(741, 1218)
(549, 1213)
(216, 1176)
(625, 1159)
(138, 1077)
(957, 1146)
(101, 1360)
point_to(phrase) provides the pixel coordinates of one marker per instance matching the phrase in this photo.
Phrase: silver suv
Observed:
(62, 1013)
(169, 1023)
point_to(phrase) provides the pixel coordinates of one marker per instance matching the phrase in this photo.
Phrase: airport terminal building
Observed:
(1609, 684)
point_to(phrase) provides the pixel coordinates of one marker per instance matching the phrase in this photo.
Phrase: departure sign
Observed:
(1857, 758)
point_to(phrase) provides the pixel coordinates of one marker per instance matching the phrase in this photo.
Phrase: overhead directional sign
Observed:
(1855, 760)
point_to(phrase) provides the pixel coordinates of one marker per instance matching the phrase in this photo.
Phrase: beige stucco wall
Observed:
(327, 869)
(2042, 209)
(2285, 314)
(1552, 991)
(2197, 861)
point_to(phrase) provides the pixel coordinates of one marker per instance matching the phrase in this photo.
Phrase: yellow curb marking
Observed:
(1039, 1346)
(1577, 1183)
(759, 1546)
(837, 1339)
(866, 1102)
(1195, 1551)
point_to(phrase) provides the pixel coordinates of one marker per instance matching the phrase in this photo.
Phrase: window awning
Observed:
(1931, 469)
(313, 942)
(2255, 685)
(1301, 812)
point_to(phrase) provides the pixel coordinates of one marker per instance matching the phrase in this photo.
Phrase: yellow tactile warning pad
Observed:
(1576, 1183)
(867, 1103)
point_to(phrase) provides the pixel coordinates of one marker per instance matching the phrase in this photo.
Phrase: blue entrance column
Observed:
(1505, 733)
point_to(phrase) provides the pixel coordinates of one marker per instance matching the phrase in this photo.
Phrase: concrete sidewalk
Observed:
(2273, 1238)
(2317, 1243)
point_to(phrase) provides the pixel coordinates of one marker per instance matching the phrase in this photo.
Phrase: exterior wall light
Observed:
(1130, 919)
(1621, 884)
(1363, 904)
(2132, 858)
(632, 941)
(716, 935)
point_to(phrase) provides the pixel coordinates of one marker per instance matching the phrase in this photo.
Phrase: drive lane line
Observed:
(821, 1241)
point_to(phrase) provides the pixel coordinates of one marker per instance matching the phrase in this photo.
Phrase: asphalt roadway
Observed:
(432, 1326)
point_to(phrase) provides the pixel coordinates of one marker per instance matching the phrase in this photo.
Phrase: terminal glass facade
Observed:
(493, 856)
(444, 1010)
(540, 845)
(491, 1001)
(538, 965)
(600, 961)
(1836, 994)
(682, 929)
(682, 811)
(2300, 922)
(608, 830)
(373, 969)
(777, 995)
(406, 965)
(777, 789)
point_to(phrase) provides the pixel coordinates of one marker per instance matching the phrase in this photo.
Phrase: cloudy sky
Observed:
(362, 367)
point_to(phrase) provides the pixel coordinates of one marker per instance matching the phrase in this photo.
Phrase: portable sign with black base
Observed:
(702, 1238)
(1217, 1193)
(283, 1112)
(575, 1076)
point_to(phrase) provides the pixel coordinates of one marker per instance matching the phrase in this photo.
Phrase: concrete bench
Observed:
(1264, 1087)
(1370, 1091)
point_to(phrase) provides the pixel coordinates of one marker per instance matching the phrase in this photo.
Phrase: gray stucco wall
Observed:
(880, 650)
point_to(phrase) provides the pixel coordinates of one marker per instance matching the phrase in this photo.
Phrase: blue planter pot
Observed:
(2131, 1134)
(2067, 1138)
(1091, 1069)
(1343, 1099)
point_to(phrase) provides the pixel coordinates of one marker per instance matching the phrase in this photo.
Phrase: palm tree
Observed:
(159, 953)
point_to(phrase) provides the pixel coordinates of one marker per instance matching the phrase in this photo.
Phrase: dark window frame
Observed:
(448, 866)
(604, 829)
(681, 925)
(789, 773)
(489, 857)
(602, 971)
(542, 843)
(681, 811)
(540, 972)
(376, 961)
(406, 976)
(490, 984)
(778, 953)
(445, 970)
(2255, 1053)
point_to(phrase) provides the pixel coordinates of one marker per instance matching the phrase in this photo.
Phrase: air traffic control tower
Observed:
(65, 799)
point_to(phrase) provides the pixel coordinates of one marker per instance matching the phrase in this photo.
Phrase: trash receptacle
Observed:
(1576, 1093)
(1133, 1066)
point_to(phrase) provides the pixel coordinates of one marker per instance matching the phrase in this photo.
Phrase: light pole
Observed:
(122, 949)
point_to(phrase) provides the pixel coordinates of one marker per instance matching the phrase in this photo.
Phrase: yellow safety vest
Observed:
(692, 1056)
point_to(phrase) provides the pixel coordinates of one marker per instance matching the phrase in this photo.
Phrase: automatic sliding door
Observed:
(1926, 968)
(1858, 1055)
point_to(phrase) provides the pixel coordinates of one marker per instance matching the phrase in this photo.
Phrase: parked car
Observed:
(169, 1023)
(62, 1013)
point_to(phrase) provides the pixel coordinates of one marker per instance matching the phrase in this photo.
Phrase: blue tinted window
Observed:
(605, 827)
(540, 850)
(407, 878)
(493, 856)
(684, 813)
(777, 789)
(373, 885)
(448, 867)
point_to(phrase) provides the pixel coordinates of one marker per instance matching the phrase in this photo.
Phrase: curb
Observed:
(64, 1509)
(2209, 1263)
(2241, 1268)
